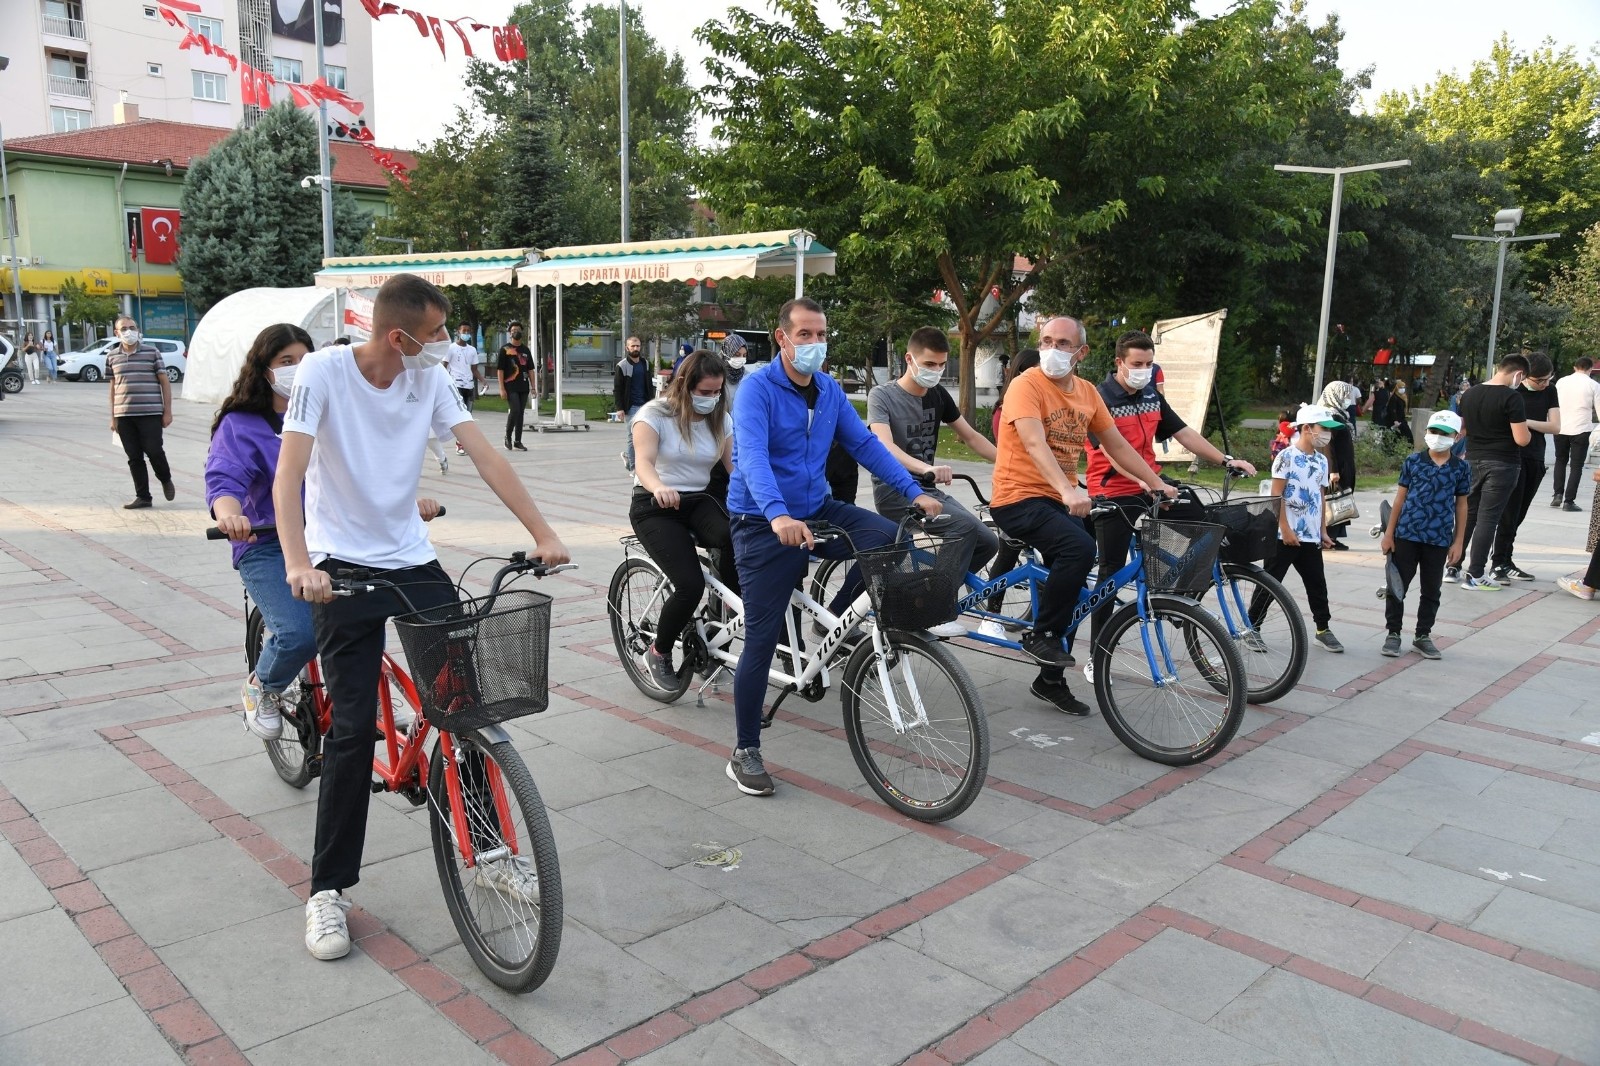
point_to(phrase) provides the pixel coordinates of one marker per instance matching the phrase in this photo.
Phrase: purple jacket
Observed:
(242, 462)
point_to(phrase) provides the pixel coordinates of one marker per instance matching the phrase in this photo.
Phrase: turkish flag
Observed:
(158, 231)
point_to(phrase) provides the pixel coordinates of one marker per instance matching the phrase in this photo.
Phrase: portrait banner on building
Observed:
(292, 19)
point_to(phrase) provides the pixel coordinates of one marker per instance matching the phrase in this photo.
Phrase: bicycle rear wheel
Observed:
(507, 904)
(293, 755)
(934, 768)
(1272, 639)
(1195, 707)
(638, 589)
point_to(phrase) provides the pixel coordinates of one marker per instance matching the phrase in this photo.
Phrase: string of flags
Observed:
(507, 40)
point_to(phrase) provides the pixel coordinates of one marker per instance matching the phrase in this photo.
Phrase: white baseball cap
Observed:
(1448, 421)
(1316, 414)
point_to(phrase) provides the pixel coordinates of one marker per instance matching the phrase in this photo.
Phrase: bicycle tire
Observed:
(533, 929)
(632, 585)
(1219, 669)
(294, 753)
(1266, 684)
(876, 756)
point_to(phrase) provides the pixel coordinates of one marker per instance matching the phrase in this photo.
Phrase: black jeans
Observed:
(468, 396)
(1570, 450)
(141, 438)
(1065, 548)
(1307, 562)
(1505, 536)
(1410, 556)
(518, 401)
(1493, 482)
(669, 537)
(350, 633)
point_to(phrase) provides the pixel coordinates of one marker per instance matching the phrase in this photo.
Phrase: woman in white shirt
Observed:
(677, 440)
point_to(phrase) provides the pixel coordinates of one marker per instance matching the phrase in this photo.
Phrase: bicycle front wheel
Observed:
(1171, 687)
(638, 590)
(293, 755)
(932, 765)
(1266, 626)
(506, 900)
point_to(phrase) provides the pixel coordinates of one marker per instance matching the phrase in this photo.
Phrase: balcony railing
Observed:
(64, 27)
(78, 87)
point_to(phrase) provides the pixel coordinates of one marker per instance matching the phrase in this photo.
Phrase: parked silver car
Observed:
(90, 363)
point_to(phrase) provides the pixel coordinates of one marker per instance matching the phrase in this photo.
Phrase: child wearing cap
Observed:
(1426, 528)
(1299, 474)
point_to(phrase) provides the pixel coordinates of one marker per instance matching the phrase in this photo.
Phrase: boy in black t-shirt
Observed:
(1542, 407)
(1496, 424)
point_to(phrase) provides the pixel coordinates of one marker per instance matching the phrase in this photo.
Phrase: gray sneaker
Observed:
(1391, 645)
(659, 669)
(746, 770)
(513, 877)
(1251, 641)
(1326, 638)
(1426, 648)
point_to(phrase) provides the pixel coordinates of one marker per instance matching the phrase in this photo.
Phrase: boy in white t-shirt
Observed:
(1299, 475)
(353, 436)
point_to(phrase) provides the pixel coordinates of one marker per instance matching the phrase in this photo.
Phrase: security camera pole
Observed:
(1505, 225)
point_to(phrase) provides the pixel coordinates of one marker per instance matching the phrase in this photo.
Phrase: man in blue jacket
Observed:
(785, 419)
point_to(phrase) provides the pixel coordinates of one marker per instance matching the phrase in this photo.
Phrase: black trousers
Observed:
(469, 395)
(350, 634)
(518, 399)
(1493, 483)
(1410, 557)
(1065, 548)
(669, 537)
(141, 439)
(1570, 450)
(1591, 576)
(1307, 562)
(1505, 535)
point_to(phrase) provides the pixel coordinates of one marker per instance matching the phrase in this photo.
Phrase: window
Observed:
(64, 18)
(10, 220)
(69, 66)
(209, 28)
(153, 69)
(336, 77)
(150, 12)
(210, 86)
(286, 69)
(66, 119)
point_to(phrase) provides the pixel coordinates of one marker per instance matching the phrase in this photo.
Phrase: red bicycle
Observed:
(482, 661)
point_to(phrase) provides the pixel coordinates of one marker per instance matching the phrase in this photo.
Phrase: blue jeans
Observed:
(768, 573)
(292, 642)
(627, 451)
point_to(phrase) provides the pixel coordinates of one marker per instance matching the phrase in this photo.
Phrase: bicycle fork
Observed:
(919, 710)
(454, 758)
(1162, 672)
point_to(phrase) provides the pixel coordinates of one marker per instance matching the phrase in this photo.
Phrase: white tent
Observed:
(224, 335)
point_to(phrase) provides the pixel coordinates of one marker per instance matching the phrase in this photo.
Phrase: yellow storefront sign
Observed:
(97, 281)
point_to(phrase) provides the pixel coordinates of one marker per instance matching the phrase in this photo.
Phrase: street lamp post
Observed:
(622, 64)
(1333, 246)
(324, 168)
(1505, 228)
(11, 224)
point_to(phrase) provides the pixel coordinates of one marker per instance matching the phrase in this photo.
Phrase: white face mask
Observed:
(736, 363)
(1139, 377)
(925, 376)
(1438, 442)
(1320, 438)
(130, 337)
(432, 354)
(1055, 363)
(282, 379)
(704, 405)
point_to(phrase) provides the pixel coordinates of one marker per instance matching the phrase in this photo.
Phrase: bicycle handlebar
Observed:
(217, 534)
(345, 583)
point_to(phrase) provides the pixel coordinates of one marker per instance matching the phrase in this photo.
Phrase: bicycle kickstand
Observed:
(711, 683)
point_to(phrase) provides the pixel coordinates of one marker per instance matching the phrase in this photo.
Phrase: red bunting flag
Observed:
(514, 46)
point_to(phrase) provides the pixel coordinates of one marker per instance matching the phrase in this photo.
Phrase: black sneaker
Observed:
(138, 503)
(1391, 645)
(1058, 694)
(1516, 573)
(1452, 574)
(658, 668)
(169, 490)
(1570, 506)
(1326, 638)
(1046, 648)
(518, 446)
(1426, 648)
(1555, 501)
(747, 771)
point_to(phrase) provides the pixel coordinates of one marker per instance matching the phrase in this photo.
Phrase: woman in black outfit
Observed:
(1341, 450)
(515, 368)
(678, 439)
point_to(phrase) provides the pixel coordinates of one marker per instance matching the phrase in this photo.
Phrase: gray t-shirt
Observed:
(913, 423)
(682, 463)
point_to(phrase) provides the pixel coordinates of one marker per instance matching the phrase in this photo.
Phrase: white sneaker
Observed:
(262, 710)
(947, 629)
(444, 465)
(327, 931)
(992, 629)
(1088, 671)
(514, 878)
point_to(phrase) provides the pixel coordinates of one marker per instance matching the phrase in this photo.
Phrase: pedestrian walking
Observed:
(1538, 403)
(632, 386)
(141, 407)
(1579, 398)
(48, 347)
(1496, 425)
(1425, 530)
(32, 359)
(466, 371)
(514, 369)
(1300, 476)
(1338, 397)
(1584, 587)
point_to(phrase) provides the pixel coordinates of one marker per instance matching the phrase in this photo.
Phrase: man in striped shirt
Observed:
(141, 407)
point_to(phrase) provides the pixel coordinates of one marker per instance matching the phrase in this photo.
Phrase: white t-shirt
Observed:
(361, 485)
(682, 463)
(1579, 396)
(463, 357)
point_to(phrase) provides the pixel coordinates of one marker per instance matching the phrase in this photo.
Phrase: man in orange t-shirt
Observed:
(1044, 427)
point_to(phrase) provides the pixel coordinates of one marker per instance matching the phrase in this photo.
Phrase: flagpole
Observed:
(138, 273)
(325, 169)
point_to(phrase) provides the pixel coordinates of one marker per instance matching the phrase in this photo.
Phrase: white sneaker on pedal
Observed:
(947, 629)
(327, 930)
(262, 714)
(991, 629)
(513, 877)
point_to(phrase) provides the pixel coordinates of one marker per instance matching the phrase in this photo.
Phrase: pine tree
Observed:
(530, 211)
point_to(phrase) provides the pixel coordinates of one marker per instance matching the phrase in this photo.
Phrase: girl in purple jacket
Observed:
(239, 469)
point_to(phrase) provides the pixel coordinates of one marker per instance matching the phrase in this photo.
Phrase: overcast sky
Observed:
(1407, 41)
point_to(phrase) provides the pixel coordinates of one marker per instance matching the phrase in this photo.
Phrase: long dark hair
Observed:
(695, 368)
(252, 391)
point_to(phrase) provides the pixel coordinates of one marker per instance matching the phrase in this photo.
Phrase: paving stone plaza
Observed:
(1399, 862)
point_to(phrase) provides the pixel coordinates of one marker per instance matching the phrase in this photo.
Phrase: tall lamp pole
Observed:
(11, 224)
(325, 169)
(1333, 247)
(622, 65)
(1505, 227)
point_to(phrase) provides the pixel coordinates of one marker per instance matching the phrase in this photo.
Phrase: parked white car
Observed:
(11, 369)
(90, 364)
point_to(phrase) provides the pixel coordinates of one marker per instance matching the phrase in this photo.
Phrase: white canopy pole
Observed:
(560, 327)
(533, 336)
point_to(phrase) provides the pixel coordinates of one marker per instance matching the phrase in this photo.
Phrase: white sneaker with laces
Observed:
(262, 710)
(948, 629)
(327, 930)
(992, 629)
(513, 877)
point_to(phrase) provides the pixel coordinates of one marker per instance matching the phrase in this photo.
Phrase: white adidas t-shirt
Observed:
(361, 485)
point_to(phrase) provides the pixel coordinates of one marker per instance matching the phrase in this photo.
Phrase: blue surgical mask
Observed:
(704, 405)
(808, 358)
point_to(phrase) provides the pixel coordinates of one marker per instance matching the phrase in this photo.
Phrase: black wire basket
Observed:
(1252, 525)
(1180, 556)
(480, 661)
(915, 585)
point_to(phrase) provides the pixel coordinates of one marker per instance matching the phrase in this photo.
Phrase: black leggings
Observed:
(519, 403)
(669, 537)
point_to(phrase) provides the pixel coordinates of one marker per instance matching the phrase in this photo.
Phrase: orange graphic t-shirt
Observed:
(1068, 417)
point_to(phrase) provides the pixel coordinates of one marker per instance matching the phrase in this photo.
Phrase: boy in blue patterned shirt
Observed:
(1426, 528)
(1299, 474)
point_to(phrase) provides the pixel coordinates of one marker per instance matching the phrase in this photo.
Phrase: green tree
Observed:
(1574, 293)
(80, 307)
(247, 222)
